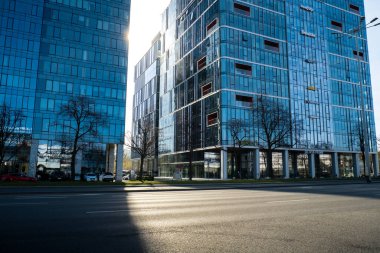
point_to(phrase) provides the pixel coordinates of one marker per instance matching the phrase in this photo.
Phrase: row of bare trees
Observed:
(12, 135)
(143, 142)
(273, 127)
(82, 123)
(272, 121)
(276, 129)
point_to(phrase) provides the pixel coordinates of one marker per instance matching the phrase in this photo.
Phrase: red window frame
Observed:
(201, 63)
(206, 89)
(336, 25)
(212, 119)
(243, 69)
(242, 9)
(211, 25)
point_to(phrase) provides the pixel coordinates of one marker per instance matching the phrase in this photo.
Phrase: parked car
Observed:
(106, 177)
(57, 176)
(90, 177)
(126, 177)
(17, 177)
(42, 175)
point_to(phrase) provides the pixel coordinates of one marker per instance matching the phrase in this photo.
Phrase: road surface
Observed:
(329, 218)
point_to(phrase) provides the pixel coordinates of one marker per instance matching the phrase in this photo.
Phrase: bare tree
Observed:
(143, 142)
(192, 132)
(275, 127)
(12, 135)
(239, 133)
(83, 122)
(358, 138)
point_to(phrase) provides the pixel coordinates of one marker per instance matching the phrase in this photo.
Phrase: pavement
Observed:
(9, 190)
(307, 217)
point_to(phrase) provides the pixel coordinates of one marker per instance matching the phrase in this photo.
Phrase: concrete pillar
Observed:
(285, 163)
(256, 163)
(311, 165)
(375, 161)
(223, 164)
(356, 161)
(78, 165)
(110, 158)
(33, 158)
(335, 165)
(119, 163)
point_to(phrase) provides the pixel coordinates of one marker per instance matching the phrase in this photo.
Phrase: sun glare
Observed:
(144, 25)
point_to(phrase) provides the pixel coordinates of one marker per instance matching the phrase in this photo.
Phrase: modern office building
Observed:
(146, 104)
(220, 59)
(55, 50)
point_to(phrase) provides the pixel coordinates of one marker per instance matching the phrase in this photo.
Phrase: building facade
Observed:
(146, 105)
(220, 59)
(56, 50)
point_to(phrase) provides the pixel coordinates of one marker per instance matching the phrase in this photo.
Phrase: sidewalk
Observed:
(95, 189)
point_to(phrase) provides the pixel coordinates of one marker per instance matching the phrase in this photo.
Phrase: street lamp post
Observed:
(364, 124)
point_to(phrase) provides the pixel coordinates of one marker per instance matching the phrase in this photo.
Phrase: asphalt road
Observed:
(338, 218)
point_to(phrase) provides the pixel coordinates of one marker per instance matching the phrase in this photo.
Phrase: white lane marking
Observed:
(286, 201)
(25, 203)
(306, 187)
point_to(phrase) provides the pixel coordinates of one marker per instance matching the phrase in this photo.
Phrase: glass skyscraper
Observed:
(51, 51)
(220, 58)
(146, 104)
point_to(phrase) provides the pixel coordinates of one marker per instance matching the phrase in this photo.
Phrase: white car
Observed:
(106, 177)
(90, 177)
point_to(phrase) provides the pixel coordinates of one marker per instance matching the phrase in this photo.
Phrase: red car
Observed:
(17, 177)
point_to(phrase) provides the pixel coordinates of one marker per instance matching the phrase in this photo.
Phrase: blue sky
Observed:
(146, 23)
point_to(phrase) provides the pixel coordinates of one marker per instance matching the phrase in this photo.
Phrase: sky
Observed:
(372, 8)
(146, 23)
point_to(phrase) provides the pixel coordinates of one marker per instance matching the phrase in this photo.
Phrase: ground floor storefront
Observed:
(253, 163)
(42, 157)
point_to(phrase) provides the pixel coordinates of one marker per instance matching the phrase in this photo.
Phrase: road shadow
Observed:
(68, 223)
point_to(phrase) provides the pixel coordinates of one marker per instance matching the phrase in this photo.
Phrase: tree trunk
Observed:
(190, 165)
(233, 165)
(73, 155)
(238, 163)
(141, 168)
(270, 163)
